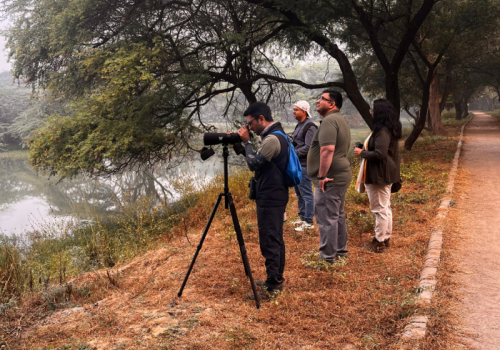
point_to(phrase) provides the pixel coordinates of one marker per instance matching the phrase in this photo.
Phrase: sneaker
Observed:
(297, 222)
(304, 226)
(375, 246)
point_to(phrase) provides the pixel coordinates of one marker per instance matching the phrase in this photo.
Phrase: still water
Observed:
(28, 201)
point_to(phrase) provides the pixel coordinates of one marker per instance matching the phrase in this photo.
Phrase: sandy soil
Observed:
(481, 261)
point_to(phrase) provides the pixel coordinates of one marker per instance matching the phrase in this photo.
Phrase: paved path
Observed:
(481, 158)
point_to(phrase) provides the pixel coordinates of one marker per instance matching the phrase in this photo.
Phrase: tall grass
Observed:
(12, 272)
(55, 251)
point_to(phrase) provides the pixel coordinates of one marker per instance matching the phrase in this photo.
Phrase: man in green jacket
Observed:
(330, 171)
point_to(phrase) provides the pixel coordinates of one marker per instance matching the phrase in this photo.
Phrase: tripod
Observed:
(229, 205)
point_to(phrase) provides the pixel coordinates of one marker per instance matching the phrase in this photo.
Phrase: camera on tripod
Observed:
(215, 138)
(211, 139)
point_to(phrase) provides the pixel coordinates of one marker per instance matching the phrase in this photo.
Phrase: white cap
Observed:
(304, 105)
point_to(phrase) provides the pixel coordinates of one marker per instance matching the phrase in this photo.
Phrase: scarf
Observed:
(360, 182)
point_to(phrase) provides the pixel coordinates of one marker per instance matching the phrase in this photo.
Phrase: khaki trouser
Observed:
(380, 205)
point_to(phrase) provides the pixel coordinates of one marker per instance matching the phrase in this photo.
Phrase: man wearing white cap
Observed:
(302, 137)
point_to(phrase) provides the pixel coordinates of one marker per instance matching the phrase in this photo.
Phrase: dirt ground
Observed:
(481, 258)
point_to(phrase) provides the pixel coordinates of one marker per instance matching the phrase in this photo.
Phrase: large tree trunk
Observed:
(246, 89)
(436, 125)
(420, 123)
(392, 89)
(457, 102)
(429, 124)
(446, 92)
(465, 107)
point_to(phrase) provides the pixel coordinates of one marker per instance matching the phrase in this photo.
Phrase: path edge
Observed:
(417, 326)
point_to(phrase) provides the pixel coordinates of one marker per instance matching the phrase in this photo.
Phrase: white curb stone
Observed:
(417, 326)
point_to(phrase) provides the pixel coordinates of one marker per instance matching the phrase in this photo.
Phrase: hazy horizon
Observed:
(4, 65)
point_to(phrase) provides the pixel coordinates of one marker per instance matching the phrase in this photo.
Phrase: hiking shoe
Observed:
(375, 246)
(261, 283)
(263, 294)
(386, 242)
(304, 226)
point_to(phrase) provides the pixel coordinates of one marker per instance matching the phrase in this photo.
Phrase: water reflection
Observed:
(28, 200)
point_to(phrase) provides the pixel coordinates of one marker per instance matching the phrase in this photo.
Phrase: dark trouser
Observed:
(272, 246)
(330, 217)
(305, 198)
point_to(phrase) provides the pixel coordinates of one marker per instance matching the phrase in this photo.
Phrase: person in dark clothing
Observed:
(302, 137)
(380, 169)
(269, 164)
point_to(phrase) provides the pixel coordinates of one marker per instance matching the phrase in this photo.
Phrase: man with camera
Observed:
(302, 137)
(269, 164)
(330, 171)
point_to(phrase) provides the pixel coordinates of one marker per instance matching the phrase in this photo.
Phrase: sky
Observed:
(4, 65)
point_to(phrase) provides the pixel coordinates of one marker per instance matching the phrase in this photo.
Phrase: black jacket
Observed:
(271, 189)
(382, 157)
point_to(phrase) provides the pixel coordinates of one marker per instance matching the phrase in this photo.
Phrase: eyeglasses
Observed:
(249, 124)
(324, 99)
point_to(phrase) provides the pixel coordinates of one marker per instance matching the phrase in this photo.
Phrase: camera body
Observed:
(358, 145)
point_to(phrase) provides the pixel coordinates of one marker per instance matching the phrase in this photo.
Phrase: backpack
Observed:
(293, 174)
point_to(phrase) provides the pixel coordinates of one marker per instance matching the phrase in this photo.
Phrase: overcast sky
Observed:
(3, 53)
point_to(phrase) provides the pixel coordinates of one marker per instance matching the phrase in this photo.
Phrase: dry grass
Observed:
(363, 304)
(446, 326)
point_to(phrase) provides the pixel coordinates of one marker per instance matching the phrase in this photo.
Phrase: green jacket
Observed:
(382, 157)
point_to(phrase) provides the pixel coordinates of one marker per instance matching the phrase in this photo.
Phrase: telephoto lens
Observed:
(214, 138)
(358, 145)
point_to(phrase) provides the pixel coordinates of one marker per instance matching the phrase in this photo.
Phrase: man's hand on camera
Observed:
(244, 134)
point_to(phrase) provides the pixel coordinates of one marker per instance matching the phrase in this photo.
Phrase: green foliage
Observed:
(447, 115)
(133, 91)
(311, 260)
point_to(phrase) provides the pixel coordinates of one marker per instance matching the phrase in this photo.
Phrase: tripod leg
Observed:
(243, 250)
(205, 231)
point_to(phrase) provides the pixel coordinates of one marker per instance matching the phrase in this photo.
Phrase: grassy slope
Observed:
(364, 303)
(495, 113)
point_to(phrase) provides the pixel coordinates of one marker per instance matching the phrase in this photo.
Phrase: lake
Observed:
(28, 201)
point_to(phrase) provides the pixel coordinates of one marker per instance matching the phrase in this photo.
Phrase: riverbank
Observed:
(15, 154)
(362, 304)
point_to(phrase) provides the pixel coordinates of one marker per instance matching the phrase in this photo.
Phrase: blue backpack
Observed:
(293, 174)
